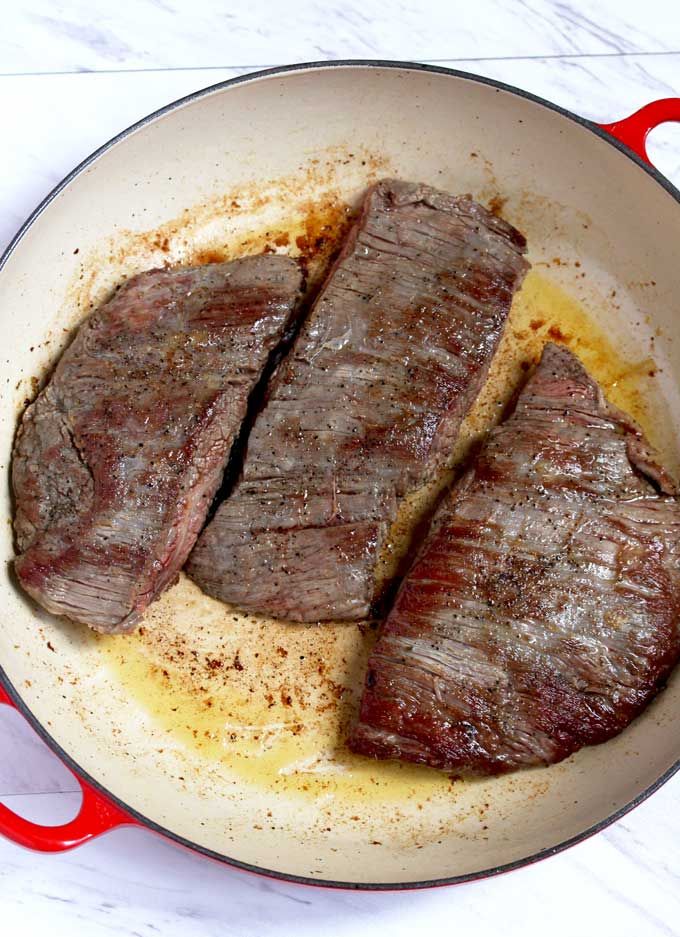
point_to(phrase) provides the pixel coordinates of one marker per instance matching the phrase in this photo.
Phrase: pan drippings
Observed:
(273, 701)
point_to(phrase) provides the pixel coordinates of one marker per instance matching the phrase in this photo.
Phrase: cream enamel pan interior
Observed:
(238, 752)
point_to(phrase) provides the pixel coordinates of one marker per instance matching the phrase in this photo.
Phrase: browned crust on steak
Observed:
(542, 612)
(367, 405)
(117, 461)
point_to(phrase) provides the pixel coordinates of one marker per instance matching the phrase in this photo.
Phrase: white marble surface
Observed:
(117, 62)
(43, 36)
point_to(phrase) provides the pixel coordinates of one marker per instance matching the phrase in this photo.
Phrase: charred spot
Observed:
(556, 333)
(497, 204)
(208, 256)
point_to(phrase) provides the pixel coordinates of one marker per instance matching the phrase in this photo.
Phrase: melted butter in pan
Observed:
(274, 701)
(271, 701)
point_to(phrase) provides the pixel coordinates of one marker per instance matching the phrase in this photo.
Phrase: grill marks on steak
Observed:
(542, 613)
(366, 406)
(116, 462)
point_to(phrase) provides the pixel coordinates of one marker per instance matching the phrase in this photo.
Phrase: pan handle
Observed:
(633, 130)
(97, 815)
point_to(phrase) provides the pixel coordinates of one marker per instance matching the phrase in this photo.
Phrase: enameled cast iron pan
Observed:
(273, 158)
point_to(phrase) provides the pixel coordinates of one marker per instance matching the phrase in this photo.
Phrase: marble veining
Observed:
(601, 60)
(28, 766)
(38, 152)
(85, 35)
(622, 883)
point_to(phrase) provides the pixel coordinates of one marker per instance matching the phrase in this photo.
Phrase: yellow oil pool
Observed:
(273, 701)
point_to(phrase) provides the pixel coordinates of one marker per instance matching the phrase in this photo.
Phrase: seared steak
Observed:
(542, 613)
(116, 462)
(366, 406)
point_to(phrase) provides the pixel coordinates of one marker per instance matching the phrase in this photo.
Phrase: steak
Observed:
(117, 460)
(367, 405)
(542, 612)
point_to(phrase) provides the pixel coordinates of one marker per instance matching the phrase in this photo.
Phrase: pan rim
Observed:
(15, 696)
